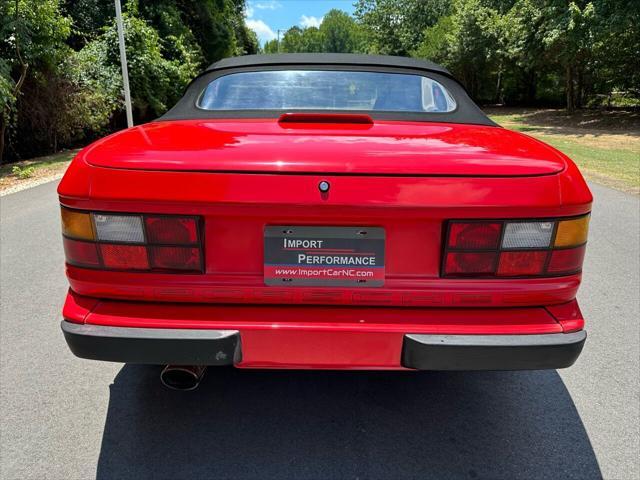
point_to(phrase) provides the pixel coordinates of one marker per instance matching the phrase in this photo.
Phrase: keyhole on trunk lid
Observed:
(324, 187)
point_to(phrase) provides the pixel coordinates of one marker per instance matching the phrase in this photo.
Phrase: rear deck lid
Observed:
(358, 148)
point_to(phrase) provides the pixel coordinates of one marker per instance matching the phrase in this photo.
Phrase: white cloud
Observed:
(310, 21)
(267, 5)
(248, 11)
(263, 30)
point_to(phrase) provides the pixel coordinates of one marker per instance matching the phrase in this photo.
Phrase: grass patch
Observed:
(622, 165)
(599, 147)
(18, 175)
(515, 120)
(36, 163)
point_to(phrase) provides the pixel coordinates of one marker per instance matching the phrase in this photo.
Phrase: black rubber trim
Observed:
(492, 352)
(159, 346)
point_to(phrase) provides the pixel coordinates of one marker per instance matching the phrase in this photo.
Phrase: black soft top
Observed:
(326, 59)
(466, 112)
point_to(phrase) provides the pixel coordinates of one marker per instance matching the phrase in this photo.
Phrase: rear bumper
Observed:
(492, 352)
(153, 345)
(324, 337)
(420, 352)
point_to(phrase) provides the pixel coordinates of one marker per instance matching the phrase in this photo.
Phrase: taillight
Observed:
(164, 243)
(519, 248)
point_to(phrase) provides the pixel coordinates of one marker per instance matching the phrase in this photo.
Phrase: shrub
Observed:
(23, 172)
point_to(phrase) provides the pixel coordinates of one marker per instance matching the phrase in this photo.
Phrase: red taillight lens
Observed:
(470, 263)
(171, 230)
(521, 263)
(175, 258)
(124, 257)
(81, 254)
(126, 241)
(566, 261)
(474, 235)
(515, 248)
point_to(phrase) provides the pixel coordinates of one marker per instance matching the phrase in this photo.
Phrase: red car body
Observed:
(410, 180)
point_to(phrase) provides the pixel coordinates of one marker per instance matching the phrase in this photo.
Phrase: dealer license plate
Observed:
(324, 256)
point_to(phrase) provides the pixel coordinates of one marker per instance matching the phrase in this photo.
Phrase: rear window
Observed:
(326, 90)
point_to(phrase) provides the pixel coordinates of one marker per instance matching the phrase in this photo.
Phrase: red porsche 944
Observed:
(324, 211)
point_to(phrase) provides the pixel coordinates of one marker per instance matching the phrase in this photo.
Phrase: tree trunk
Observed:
(580, 88)
(5, 115)
(571, 106)
(531, 88)
(498, 87)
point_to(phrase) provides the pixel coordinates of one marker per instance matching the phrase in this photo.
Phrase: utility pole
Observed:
(123, 62)
(279, 39)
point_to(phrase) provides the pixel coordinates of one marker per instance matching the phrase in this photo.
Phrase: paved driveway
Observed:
(65, 418)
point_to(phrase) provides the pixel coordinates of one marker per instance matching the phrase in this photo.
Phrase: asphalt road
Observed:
(66, 418)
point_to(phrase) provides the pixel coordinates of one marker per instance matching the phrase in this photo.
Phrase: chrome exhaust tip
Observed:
(182, 377)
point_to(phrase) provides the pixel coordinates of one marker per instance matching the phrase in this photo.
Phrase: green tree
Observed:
(615, 51)
(340, 33)
(89, 18)
(312, 40)
(247, 41)
(292, 41)
(568, 36)
(526, 63)
(212, 23)
(464, 42)
(271, 46)
(60, 69)
(156, 81)
(33, 32)
(395, 27)
(299, 40)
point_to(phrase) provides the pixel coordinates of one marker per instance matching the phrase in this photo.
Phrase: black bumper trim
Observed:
(492, 352)
(153, 345)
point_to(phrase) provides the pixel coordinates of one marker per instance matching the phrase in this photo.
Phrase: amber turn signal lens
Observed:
(76, 224)
(572, 232)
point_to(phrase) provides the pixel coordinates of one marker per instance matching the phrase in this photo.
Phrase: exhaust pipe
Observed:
(182, 377)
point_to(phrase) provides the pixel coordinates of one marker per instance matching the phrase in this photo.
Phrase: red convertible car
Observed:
(324, 211)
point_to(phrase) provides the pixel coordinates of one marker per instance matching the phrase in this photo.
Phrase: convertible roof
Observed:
(466, 111)
(326, 59)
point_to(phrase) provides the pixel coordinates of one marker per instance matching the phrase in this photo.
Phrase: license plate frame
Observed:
(324, 256)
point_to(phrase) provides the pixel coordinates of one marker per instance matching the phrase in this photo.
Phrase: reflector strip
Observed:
(572, 232)
(81, 254)
(521, 263)
(471, 263)
(76, 224)
(124, 257)
(566, 261)
(175, 258)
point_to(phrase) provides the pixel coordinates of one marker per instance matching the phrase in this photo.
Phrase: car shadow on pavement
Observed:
(315, 424)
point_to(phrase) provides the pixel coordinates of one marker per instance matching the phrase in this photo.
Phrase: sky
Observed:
(266, 17)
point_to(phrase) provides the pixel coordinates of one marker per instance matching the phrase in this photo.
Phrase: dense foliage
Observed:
(528, 52)
(60, 80)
